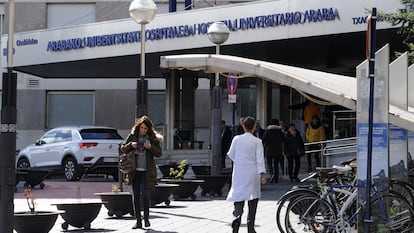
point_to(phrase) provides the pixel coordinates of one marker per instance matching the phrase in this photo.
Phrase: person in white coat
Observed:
(246, 152)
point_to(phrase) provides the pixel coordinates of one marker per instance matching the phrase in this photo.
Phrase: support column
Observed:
(170, 109)
(8, 151)
(261, 101)
(187, 104)
(216, 132)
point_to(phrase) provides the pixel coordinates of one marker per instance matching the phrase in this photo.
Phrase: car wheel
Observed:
(23, 163)
(71, 169)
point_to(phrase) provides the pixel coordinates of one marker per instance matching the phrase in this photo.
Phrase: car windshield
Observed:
(100, 134)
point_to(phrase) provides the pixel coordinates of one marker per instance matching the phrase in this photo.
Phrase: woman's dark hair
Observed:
(146, 121)
(315, 117)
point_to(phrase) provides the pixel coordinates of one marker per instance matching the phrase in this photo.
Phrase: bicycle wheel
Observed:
(310, 214)
(392, 214)
(284, 202)
(403, 188)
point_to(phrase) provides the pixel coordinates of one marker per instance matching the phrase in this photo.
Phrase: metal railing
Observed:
(334, 151)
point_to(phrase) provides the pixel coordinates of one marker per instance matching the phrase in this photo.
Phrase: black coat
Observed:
(225, 140)
(294, 145)
(273, 139)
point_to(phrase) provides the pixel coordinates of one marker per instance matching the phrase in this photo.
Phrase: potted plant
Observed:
(118, 202)
(187, 187)
(33, 220)
(172, 165)
(79, 214)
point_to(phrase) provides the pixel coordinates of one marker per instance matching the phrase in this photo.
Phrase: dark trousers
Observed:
(251, 216)
(293, 166)
(273, 163)
(223, 159)
(315, 154)
(141, 192)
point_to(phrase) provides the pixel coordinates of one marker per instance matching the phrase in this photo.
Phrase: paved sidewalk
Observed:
(202, 215)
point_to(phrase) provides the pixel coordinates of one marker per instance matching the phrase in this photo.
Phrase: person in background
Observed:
(315, 133)
(285, 130)
(326, 121)
(225, 142)
(239, 130)
(259, 131)
(309, 109)
(246, 151)
(293, 149)
(146, 142)
(284, 127)
(273, 139)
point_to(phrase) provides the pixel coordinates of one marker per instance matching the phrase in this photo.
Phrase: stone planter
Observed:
(37, 222)
(32, 177)
(161, 193)
(19, 176)
(213, 185)
(117, 203)
(201, 170)
(186, 188)
(79, 214)
(165, 169)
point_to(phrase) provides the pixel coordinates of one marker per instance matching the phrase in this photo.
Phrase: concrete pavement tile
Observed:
(203, 215)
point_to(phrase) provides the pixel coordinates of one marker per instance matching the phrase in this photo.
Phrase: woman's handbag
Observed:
(127, 162)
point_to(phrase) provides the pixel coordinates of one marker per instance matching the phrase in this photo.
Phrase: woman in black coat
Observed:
(273, 139)
(294, 149)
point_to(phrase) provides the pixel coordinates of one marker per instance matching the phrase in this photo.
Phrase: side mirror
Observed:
(39, 142)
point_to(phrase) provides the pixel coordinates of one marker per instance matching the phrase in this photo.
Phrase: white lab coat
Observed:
(246, 151)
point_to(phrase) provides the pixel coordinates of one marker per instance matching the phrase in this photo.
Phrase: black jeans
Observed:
(293, 166)
(140, 191)
(272, 163)
(251, 216)
(315, 154)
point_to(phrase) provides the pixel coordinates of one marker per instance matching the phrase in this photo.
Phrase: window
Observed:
(60, 15)
(156, 108)
(248, 101)
(64, 136)
(70, 108)
(2, 19)
(49, 137)
(109, 134)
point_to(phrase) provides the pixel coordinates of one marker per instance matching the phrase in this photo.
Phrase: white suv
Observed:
(75, 151)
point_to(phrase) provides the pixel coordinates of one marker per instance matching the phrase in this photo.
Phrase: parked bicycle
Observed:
(331, 205)
(389, 213)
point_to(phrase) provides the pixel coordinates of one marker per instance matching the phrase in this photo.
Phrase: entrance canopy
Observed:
(338, 89)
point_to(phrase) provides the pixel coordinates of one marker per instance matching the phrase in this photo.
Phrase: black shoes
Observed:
(250, 228)
(236, 224)
(146, 222)
(137, 225)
